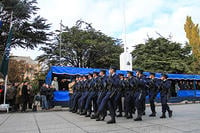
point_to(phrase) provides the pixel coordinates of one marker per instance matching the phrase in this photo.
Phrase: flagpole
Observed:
(5, 90)
(60, 40)
(6, 106)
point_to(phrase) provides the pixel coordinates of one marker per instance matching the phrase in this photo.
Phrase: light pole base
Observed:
(4, 107)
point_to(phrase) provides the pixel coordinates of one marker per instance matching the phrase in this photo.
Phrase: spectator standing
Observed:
(24, 96)
(31, 95)
(43, 93)
(18, 100)
(10, 96)
(55, 83)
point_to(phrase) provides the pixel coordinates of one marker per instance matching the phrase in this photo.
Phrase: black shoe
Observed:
(74, 111)
(138, 119)
(103, 117)
(98, 118)
(112, 121)
(88, 115)
(170, 113)
(125, 115)
(163, 116)
(152, 115)
(119, 115)
(83, 113)
(93, 117)
(129, 117)
(144, 113)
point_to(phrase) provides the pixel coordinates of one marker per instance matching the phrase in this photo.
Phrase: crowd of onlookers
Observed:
(19, 96)
(22, 96)
(188, 85)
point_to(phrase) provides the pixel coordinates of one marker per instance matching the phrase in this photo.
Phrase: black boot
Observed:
(153, 114)
(98, 118)
(129, 117)
(138, 119)
(119, 115)
(92, 117)
(103, 117)
(83, 113)
(88, 115)
(170, 113)
(112, 121)
(163, 116)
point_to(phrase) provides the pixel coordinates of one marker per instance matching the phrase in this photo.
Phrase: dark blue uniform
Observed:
(102, 83)
(153, 85)
(113, 81)
(82, 99)
(118, 97)
(140, 96)
(164, 94)
(75, 88)
(92, 96)
(77, 96)
(129, 97)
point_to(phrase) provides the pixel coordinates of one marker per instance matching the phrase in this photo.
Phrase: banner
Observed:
(5, 60)
(61, 96)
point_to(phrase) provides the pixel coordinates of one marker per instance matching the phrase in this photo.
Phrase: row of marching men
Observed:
(99, 93)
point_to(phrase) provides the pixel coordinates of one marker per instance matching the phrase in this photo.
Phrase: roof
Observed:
(82, 71)
(27, 59)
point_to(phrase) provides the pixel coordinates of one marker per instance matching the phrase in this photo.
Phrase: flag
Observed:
(1, 23)
(6, 55)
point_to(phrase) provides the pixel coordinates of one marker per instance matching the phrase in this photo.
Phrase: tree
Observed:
(193, 35)
(83, 46)
(29, 29)
(16, 70)
(162, 55)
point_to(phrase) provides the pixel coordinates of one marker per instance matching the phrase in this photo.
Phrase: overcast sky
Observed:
(142, 18)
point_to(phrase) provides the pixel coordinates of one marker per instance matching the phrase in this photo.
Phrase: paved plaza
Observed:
(186, 119)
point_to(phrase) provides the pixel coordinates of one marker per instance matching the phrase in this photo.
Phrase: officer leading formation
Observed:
(96, 93)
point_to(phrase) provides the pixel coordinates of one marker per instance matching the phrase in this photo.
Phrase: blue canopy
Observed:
(81, 71)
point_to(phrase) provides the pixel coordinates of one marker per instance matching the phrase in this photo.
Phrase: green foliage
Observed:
(30, 30)
(162, 55)
(83, 46)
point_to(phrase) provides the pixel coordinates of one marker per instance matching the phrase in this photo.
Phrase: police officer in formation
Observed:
(153, 88)
(98, 93)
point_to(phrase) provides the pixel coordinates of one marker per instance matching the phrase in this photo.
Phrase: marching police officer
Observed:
(153, 85)
(164, 93)
(92, 97)
(140, 95)
(87, 112)
(75, 88)
(77, 95)
(118, 97)
(82, 99)
(102, 83)
(129, 95)
(112, 86)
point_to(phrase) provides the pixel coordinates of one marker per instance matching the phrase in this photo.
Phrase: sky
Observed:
(133, 21)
